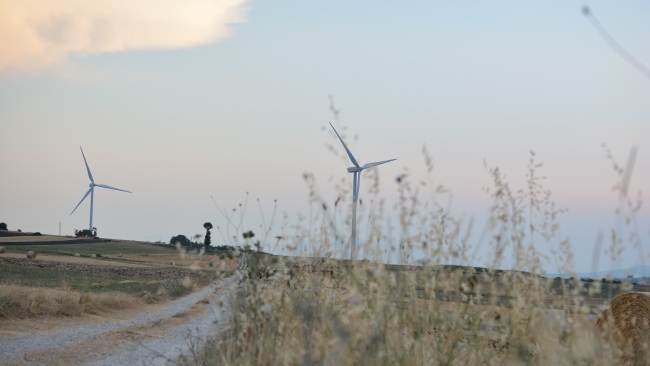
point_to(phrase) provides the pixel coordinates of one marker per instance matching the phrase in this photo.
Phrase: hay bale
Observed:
(94, 255)
(3, 250)
(120, 255)
(31, 254)
(77, 255)
(625, 327)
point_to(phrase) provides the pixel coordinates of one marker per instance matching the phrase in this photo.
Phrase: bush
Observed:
(179, 239)
(224, 247)
(184, 241)
(3, 226)
(85, 233)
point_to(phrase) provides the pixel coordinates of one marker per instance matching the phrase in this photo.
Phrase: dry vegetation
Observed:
(333, 312)
(57, 283)
(26, 302)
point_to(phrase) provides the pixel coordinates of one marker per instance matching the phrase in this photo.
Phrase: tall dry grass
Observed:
(325, 311)
(27, 302)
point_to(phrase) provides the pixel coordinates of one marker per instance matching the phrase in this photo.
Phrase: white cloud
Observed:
(37, 33)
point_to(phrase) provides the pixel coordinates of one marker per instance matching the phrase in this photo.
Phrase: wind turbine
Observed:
(91, 191)
(356, 170)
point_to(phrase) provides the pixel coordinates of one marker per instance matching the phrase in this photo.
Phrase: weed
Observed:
(327, 311)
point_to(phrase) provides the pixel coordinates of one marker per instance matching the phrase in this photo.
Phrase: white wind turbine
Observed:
(356, 170)
(91, 191)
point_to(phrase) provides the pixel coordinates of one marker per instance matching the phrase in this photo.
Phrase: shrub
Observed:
(224, 247)
(3, 226)
(85, 233)
(184, 241)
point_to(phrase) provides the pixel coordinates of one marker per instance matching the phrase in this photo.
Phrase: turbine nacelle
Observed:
(354, 169)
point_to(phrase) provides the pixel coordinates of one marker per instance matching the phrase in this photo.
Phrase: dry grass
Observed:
(367, 315)
(370, 313)
(25, 302)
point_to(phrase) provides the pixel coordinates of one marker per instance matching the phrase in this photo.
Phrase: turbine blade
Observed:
(85, 195)
(109, 187)
(87, 168)
(370, 165)
(354, 161)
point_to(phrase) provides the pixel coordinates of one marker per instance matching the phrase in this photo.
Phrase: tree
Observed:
(3, 226)
(207, 240)
(86, 233)
(182, 239)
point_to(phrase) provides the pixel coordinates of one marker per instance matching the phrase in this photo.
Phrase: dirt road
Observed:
(158, 337)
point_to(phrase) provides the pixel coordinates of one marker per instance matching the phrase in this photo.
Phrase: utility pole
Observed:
(59, 228)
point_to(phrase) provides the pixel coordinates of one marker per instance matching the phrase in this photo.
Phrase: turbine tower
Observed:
(91, 191)
(356, 170)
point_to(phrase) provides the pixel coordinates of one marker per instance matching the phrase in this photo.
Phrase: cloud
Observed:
(37, 33)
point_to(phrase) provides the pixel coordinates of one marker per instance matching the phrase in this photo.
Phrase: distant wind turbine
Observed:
(356, 170)
(91, 191)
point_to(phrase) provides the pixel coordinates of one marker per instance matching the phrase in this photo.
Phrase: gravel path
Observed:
(153, 350)
(181, 341)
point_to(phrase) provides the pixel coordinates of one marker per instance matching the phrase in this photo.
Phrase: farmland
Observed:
(150, 273)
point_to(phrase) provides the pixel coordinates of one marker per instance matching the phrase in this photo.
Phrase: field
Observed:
(145, 273)
(314, 310)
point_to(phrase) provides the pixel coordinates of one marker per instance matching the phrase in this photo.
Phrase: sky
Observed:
(180, 101)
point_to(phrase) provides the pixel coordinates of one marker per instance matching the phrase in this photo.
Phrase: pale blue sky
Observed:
(471, 80)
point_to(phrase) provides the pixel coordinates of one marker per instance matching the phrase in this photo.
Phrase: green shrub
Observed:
(85, 233)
